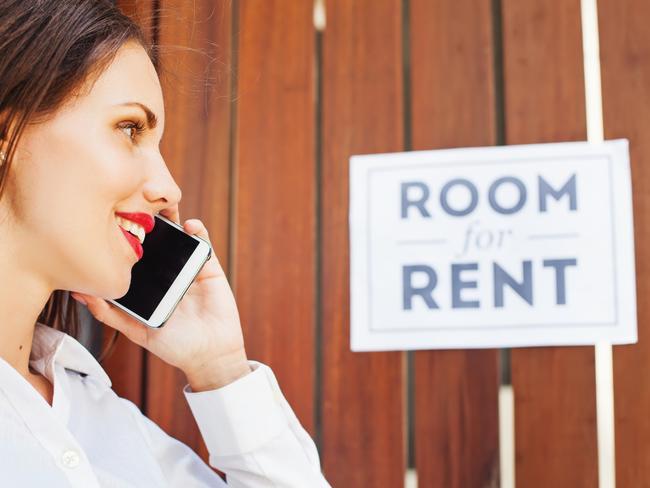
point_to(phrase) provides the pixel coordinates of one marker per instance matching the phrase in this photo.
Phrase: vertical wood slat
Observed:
(625, 67)
(555, 408)
(274, 200)
(126, 361)
(363, 393)
(143, 12)
(124, 367)
(453, 105)
(195, 146)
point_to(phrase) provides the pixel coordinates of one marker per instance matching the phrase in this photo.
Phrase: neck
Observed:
(23, 294)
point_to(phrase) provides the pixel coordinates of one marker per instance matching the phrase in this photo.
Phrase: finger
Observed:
(212, 267)
(172, 213)
(114, 317)
(197, 228)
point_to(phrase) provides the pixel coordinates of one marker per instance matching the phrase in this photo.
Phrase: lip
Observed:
(145, 220)
(134, 242)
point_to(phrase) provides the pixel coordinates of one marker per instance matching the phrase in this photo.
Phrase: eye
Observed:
(132, 129)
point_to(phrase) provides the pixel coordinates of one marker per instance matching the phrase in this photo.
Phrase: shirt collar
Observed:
(54, 345)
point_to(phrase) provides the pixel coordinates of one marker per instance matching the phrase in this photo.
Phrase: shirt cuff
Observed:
(240, 416)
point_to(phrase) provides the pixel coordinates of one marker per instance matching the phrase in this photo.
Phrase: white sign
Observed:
(492, 247)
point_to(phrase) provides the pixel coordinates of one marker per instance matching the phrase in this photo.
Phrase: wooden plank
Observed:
(555, 406)
(625, 66)
(195, 146)
(124, 366)
(274, 201)
(143, 12)
(453, 105)
(363, 398)
(128, 381)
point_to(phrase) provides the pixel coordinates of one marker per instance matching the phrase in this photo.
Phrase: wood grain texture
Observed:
(274, 247)
(194, 66)
(143, 12)
(124, 367)
(555, 405)
(625, 67)
(363, 416)
(453, 105)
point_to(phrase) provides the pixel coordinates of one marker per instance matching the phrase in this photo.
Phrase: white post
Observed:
(603, 351)
(507, 436)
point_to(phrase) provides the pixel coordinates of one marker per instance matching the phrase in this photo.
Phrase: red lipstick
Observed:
(143, 219)
(135, 243)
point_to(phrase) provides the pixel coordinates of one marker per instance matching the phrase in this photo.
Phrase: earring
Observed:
(3, 156)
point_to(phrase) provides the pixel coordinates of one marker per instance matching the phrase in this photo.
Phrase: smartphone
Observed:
(172, 258)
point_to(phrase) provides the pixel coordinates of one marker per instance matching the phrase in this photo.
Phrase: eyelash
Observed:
(138, 126)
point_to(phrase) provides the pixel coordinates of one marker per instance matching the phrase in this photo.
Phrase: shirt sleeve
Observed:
(253, 435)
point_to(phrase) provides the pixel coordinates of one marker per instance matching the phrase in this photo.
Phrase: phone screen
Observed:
(166, 251)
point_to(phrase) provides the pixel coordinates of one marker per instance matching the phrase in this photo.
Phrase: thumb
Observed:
(212, 269)
(197, 228)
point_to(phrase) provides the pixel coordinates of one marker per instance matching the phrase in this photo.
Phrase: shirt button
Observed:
(70, 458)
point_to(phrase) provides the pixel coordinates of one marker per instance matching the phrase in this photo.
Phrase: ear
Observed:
(8, 123)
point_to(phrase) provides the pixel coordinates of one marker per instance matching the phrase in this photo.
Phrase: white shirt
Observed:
(90, 437)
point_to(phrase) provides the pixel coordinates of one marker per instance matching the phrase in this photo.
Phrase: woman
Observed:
(81, 117)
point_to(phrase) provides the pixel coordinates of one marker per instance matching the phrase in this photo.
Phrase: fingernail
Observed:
(78, 298)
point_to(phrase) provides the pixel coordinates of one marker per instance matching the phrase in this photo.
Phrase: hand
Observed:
(203, 335)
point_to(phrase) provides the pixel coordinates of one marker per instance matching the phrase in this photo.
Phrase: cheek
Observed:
(80, 180)
(66, 190)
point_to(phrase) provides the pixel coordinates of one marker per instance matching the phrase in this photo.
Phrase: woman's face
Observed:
(71, 173)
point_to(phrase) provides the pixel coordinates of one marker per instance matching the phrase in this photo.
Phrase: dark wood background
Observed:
(262, 115)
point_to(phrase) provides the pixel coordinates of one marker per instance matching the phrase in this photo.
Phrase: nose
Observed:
(161, 188)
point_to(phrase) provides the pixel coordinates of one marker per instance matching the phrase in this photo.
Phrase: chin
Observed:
(124, 289)
(121, 287)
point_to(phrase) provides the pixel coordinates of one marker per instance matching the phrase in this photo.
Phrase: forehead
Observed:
(130, 77)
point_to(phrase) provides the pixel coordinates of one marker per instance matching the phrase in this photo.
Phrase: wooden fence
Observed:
(260, 123)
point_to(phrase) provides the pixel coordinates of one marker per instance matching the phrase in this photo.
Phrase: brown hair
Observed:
(48, 50)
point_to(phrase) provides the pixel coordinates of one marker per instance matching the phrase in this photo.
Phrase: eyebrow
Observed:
(152, 120)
